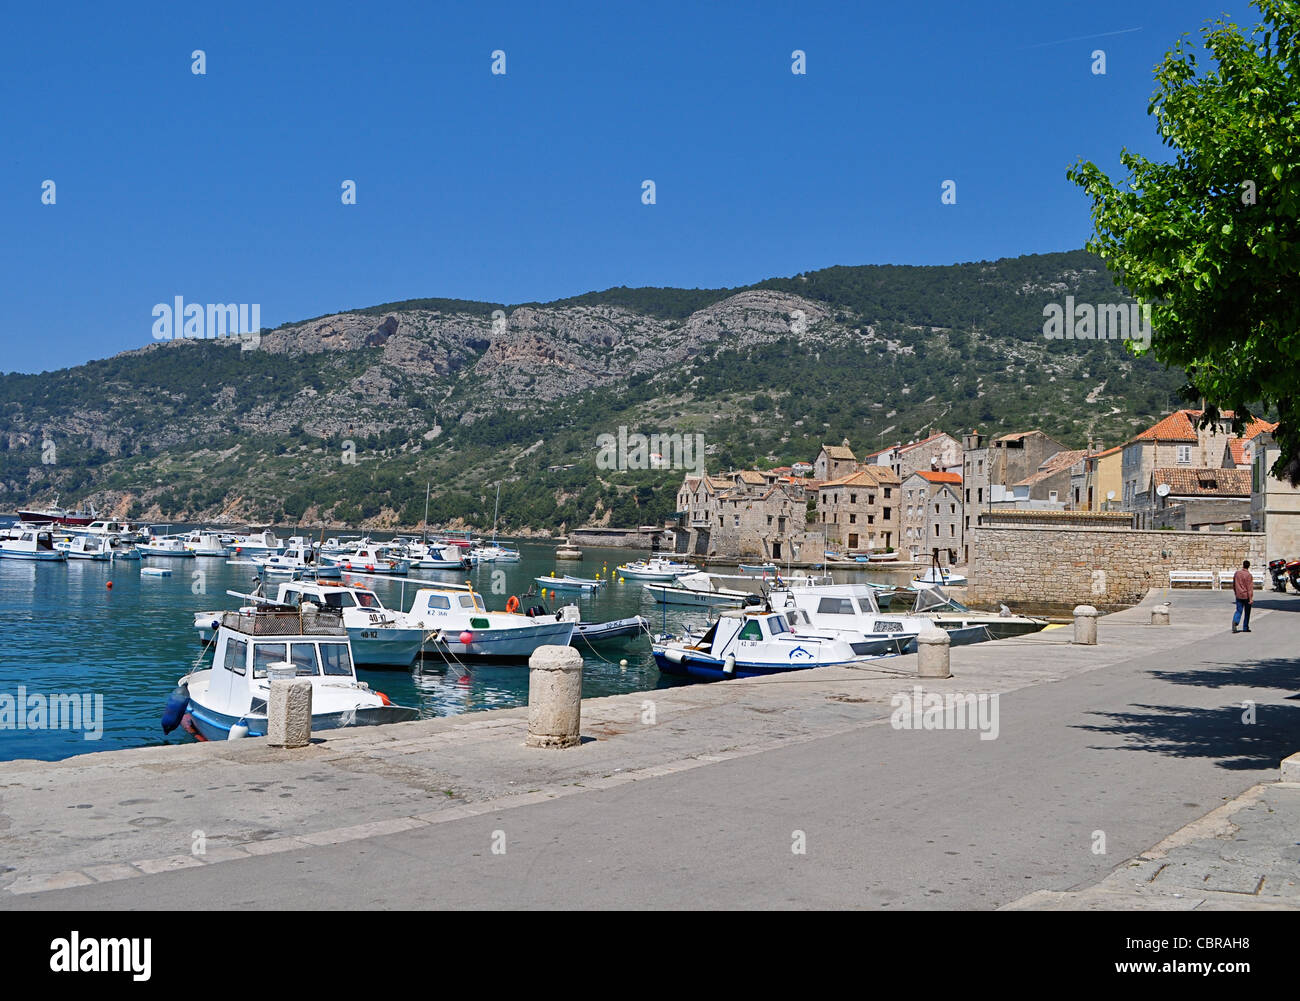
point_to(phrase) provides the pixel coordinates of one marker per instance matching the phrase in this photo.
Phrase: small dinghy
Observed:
(759, 567)
(567, 583)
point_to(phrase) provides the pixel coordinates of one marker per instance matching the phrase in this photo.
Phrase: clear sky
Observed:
(226, 187)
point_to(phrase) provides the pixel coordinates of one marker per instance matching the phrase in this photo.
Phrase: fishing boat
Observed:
(759, 567)
(380, 636)
(85, 547)
(851, 610)
(748, 643)
(614, 629)
(258, 643)
(30, 543)
(466, 629)
(125, 552)
(56, 515)
(656, 568)
(336, 545)
(434, 556)
(936, 604)
(115, 532)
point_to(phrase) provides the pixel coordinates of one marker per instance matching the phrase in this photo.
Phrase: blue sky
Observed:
(226, 187)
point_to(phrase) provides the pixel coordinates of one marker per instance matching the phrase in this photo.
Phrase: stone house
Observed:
(1094, 478)
(1274, 503)
(742, 515)
(991, 466)
(834, 461)
(1051, 480)
(1200, 500)
(939, 451)
(860, 511)
(932, 516)
(1175, 442)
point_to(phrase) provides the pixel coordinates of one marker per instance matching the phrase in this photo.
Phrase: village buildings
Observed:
(933, 521)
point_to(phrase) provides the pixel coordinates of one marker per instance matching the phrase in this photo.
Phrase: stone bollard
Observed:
(554, 697)
(932, 653)
(1160, 615)
(288, 713)
(1085, 625)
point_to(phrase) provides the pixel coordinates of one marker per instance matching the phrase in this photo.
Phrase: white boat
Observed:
(434, 556)
(567, 583)
(170, 546)
(294, 562)
(750, 643)
(256, 644)
(657, 568)
(252, 544)
(759, 568)
(379, 636)
(336, 545)
(723, 590)
(942, 575)
(125, 552)
(370, 560)
(86, 547)
(465, 628)
(203, 543)
(29, 543)
(116, 532)
(493, 554)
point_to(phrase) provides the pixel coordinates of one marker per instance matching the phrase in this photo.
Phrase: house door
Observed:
(853, 541)
(776, 550)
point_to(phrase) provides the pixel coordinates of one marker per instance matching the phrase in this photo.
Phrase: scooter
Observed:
(1277, 570)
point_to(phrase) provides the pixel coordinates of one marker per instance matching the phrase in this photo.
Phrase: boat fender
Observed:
(512, 605)
(238, 731)
(173, 712)
(467, 637)
(729, 665)
(384, 698)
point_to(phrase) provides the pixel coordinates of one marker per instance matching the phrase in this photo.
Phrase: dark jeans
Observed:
(1242, 605)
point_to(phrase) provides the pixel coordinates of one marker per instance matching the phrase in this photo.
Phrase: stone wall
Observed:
(1054, 569)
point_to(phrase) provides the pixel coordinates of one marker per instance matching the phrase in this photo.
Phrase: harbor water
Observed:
(64, 631)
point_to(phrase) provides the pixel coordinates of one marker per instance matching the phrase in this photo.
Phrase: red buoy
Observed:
(467, 637)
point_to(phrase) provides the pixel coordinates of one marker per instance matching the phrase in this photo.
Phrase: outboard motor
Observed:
(1277, 570)
(1293, 572)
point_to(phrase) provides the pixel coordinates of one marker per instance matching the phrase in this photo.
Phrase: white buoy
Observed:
(622, 663)
(237, 731)
(729, 665)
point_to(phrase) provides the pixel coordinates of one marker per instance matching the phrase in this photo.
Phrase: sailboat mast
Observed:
(495, 511)
(427, 485)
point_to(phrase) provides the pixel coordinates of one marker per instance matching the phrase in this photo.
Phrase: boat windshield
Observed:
(368, 600)
(932, 599)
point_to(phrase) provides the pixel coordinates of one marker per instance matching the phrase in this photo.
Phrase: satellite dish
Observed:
(1110, 494)
(1163, 490)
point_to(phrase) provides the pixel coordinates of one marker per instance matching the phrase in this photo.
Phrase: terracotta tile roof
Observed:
(718, 482)
(1258, 427)
(1185, 482)
(839, 452)
(923, 441)
(1016, 435)
(1237, 451)
(937, 477)
(752, 476)
(861, 478)
(1054, 465)
(1176, 427)
(1109, 451)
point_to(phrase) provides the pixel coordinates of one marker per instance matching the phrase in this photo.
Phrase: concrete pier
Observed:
(1136, 737)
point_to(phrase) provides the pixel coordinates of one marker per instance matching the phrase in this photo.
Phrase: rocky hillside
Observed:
(345, 418)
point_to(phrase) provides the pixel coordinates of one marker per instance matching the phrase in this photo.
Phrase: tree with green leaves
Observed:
(1210, 241)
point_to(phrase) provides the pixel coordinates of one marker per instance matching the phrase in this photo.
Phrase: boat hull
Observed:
(214, 725)
(500, 644)
(696, 665)
(385, 648)
(40, 557)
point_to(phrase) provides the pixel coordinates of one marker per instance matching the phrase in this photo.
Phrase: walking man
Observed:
(1243, 586)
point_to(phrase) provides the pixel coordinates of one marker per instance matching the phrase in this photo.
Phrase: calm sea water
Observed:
(62, 630)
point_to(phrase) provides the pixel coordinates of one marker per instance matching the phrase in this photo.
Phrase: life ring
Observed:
(512, 605)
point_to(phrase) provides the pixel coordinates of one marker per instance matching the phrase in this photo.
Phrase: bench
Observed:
(1193, 577)
(1225, 577)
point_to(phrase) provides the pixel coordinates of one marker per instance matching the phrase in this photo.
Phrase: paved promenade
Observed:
(782, 792)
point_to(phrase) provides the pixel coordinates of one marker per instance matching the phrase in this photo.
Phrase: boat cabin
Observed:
(333, 596)
(445, 601)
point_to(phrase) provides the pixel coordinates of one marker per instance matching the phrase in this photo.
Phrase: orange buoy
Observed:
(109, 585)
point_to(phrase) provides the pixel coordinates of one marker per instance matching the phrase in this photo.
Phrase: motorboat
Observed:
(567, 583)
(252, 544)
(746, 643)
(295, 562)
(336, 545)
(942, 575)
(371, 559)
(434, 556)
(203, 543)
(726, 590)
(259, 643)
(30, 543)
(948, 613)
(116, 532)
(759, 568)
(493, 554)
(379, 636)
(171, 546)
(86, 547)
(596, 632)
(466, 629)
(656, 568)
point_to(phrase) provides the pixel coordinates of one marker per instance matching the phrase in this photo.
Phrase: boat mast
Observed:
(427, 485)
(494, 514)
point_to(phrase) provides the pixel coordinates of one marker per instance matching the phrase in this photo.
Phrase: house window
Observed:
(936, 530)
(853, 498)
(1184, 455)
(871, 519)
(952, 531)
(886, 514)
(887, 493)
(853, 519)
(979, 495)
(1051, 496)
(737, 520)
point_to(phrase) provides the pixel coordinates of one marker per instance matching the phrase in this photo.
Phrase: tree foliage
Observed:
(1210, 240)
